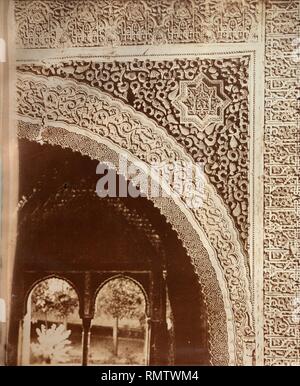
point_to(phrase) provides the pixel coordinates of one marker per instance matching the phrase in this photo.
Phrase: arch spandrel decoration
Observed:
(69, 114)
(202, 102)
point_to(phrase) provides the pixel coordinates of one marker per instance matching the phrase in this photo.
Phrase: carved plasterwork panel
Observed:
(282, 186)
(222, 340)
(214, 128)
(85, 189)
(216, 133)
(78, 23)
(204, 106)
(201, 101)
(56, 102)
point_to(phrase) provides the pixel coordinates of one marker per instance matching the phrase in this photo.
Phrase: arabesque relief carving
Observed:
(204, 105)
(162, 91)
(66, 104)
(73, 23)
(282, 186)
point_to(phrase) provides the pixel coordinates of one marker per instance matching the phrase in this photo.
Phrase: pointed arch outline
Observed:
(119, 129)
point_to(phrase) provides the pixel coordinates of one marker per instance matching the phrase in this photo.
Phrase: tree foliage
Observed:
(121, 298)
(54, 296)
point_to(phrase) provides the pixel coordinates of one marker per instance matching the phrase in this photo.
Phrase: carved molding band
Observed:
(282, 186)
(74, 107)
(98, 23)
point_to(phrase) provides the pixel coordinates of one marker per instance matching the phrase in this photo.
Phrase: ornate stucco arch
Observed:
(80, 117)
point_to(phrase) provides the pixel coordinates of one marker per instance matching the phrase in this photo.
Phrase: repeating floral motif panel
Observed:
(44, 102)
(282, 186)
(78, 23)
(204, 104)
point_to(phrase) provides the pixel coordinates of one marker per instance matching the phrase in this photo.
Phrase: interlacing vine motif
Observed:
(55, 103)
(282, 186)
(173, 94)
(97, 23)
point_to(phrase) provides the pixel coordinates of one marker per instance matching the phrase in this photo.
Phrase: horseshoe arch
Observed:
(65, 113)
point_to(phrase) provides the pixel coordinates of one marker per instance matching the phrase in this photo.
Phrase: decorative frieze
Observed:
(100, 23)
(282, 186)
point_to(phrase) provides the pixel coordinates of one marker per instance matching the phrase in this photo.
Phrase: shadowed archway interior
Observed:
(65, 228)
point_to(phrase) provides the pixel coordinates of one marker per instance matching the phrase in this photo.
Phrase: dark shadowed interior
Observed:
(66, 230)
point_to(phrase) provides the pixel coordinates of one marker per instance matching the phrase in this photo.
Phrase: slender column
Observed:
(26, 332)
(15, 339)
(86, 338)
(86, 314)
(158, 353)
(115, 335)
(147, 341)
(9, 172)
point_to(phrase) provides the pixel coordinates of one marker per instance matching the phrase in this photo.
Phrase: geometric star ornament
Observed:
(201, 101)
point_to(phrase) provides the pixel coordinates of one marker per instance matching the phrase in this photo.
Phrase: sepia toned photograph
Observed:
(150, 186)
